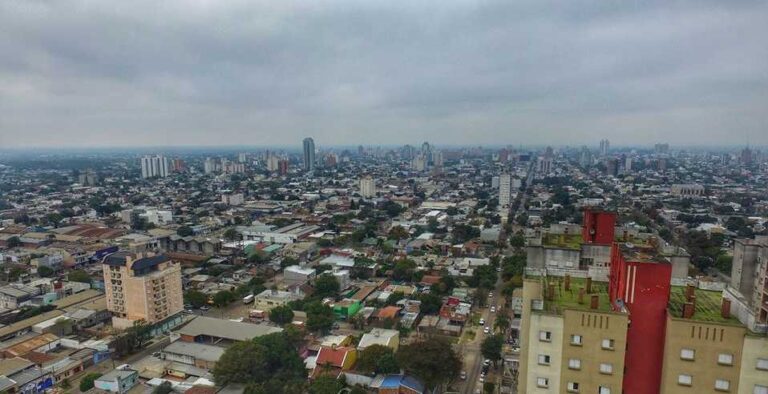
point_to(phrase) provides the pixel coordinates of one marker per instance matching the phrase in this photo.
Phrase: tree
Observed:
(268, 364)
(79, 276)
(163, 388)
(223, 298)
(326, 385)
(288, 261)
(281, 315)
(45, 271)
(430, 303)
(491, 347)
(403, 270)
(377, 359)
(433, 361)
(319, 317)
(13, 242)
(326, 286)
(398, 233)
(195, 298)
(502, 322)
(86, 383)
(517, 241)
(231, 235)
(395, 297)
(185, 231)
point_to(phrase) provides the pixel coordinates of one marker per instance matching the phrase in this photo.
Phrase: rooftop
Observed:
(708, 305)
(567, 241)
(569, 299)
(221, 328)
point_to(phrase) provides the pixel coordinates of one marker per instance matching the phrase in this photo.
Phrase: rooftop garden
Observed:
(569, 299)
(568, 241)
(708, 305)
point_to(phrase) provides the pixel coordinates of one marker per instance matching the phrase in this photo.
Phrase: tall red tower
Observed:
(639, 283)
(598, 227)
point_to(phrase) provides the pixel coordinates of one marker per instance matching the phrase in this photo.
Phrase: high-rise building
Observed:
(605, 146)
(367, 186)
(141, 287)
(309, 154)
(154, 166)
(273, 163)
(640, 332)
(282, 167)
(505, 191)
(88, 178)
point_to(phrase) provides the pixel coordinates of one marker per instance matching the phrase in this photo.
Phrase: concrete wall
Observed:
(754, 347)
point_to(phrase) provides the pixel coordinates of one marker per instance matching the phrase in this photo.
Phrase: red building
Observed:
(598, 227)
(639, 283)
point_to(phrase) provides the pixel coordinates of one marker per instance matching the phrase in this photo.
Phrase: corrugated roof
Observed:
(220, 328)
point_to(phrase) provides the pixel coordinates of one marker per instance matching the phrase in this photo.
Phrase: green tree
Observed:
(517, 241)
(86, 383)
(430, 303)
(13, 242)
(326, 385)
(404, 270)
(79, 276)
(223, 298)
(163, 388)
(319, 317)
(231, 235)
(242, 362)
(398, 233)
(502, 322)
(491, 347)
(326, 286)
(395, 297)
(281, 315)
(433, 361)
(185, 231)
(45, 271)
(379, 359)
(288, 261)
(268, 364)
(195, 298)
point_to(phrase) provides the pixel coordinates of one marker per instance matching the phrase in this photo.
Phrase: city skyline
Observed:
(470, 74)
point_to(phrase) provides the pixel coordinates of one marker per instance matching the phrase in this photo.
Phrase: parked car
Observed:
(486, 330)
(463, 375)
(493, 309)
(482, 321)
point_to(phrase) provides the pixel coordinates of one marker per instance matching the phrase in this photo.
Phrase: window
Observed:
(762, 364)
(573, 387)
(760, 389)
(576, 340)
(687, 354)
(722, 385)
(574, 363)
(543, 359)
(545, 336)
(604, 390)
(606, 368)
(725, 359)
(685, 380)
(608, 344)
(542, 382)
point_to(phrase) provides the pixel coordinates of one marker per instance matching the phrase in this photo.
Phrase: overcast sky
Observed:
(149, 73)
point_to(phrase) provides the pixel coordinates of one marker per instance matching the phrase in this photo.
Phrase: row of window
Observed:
(720, 384)
(722, 359)
(576, 340)
(573, 387)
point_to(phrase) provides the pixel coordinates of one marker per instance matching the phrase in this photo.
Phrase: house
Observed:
(295, 275)
(191, 353)
(203, 329)
(397, 384)
(117, 381)
(346, 308)
(380, 336)
(333, 360)
(268, 299)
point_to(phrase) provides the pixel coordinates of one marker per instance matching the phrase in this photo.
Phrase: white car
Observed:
(493, 309)
(487, 330)
(482, 322)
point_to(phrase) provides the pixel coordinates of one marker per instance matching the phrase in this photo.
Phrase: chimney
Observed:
(567, 282)
(725, 308)
(594, 301)
(688, 309)
(581, 295)
(551, 292)
(693, 302)
(689, 292)
(589, 285)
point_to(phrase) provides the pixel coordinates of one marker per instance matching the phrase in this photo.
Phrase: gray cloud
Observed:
(84, 73)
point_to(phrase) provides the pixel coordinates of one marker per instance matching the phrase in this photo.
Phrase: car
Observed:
(515, 349)
(482, 379)
(493, 309)
(463, 375)
(156, 354)
(205, 308)
(487, 362)
(486, 330)
(482, 322)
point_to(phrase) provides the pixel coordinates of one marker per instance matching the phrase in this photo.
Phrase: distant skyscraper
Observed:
(154, 166)
(505, 190)
(605, 146)
(309, 154)
(367, 186)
